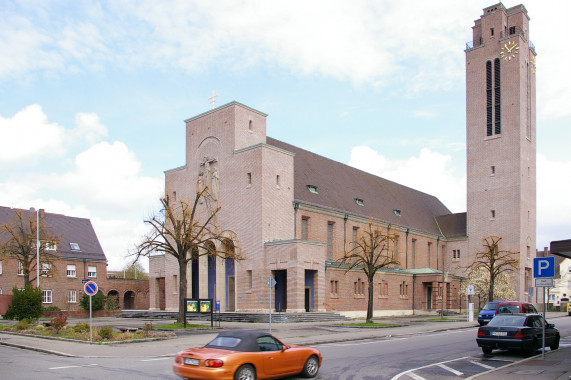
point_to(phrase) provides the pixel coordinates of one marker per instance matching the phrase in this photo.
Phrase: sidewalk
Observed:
(556, 362)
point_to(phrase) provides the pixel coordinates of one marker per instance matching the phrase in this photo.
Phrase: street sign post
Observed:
(271, 283)
(470, 292)
(90, 288)
(543, 270)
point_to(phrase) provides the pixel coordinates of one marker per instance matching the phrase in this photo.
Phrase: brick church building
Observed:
(296, 212)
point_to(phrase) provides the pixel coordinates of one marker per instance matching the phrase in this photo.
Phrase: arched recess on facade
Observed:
(129, 300)
(194, 273)
(229, 274)
(115, 294)
(211, 251)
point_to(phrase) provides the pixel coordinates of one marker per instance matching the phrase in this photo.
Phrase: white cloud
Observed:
(553, 205)
(88, 127)
(28, 136)
(103, 183)
(430, 172)
(414, 46)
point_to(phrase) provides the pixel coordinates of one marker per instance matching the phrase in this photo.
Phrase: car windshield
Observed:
(224, 341)
(490, 306)
(507, 320)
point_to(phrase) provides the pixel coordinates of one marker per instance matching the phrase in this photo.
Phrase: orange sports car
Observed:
(246, 355)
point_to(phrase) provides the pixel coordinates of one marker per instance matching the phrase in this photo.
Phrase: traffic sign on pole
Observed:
(544, 267)
(90, 288)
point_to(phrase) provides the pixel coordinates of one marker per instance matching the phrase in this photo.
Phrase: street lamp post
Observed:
(37, 246)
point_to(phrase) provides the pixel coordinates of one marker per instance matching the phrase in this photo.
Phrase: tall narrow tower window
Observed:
(497, 98)
(489, 98)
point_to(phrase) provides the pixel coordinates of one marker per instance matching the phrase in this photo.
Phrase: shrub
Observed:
(26, 304)
(52, 308)
(59, 322)
(40, 327)
(147, 328)
(112, 302)
(97, 302)
(105, 332)
(23, 324)
(81, 327)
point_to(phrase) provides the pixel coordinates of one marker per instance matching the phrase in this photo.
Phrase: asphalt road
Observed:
(441, 355)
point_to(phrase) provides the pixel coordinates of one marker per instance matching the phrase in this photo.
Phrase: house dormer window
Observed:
(359, 201)
(51, 246)
(312, 189)
(74, 247)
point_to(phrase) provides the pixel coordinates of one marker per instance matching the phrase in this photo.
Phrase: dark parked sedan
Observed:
(517, 332)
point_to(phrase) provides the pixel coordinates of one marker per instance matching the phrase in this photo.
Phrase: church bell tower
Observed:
(500, 137)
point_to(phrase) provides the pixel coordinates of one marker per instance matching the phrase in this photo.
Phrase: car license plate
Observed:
(499, 333)
(189, 361)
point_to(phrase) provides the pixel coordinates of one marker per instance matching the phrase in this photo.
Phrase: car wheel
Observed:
(531, 350)
(487, 350)
(245, 372)
(555, 344)
(310, 367)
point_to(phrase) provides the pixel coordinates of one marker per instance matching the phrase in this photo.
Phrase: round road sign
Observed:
(90, 288)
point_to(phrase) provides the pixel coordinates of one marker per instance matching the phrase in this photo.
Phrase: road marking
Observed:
(415, 376)
(482, 364)
(150, 360)
(389, 340)
(74, 366)
(410, 371)
(444, 366)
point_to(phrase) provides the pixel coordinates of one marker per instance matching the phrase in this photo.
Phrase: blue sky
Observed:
(94, 94)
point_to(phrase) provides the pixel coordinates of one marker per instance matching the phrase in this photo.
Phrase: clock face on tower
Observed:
(509, 50)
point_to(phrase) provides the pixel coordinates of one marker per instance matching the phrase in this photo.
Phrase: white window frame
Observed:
(91, 271)
(47, 296)
(0, 268)
(50, 246)
(20, 268)
(71, 272)
(45, 269)
(71, 296)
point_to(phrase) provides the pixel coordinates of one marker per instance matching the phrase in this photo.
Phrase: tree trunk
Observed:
(181, 290)
(370, 302)
(492, 284)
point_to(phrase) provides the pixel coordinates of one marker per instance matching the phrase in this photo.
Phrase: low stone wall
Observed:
(80, 313)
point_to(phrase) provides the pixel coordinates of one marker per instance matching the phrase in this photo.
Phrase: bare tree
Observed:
(371, 252)
(494, 261)
(133, 271)
(18, 241)
(186, 231)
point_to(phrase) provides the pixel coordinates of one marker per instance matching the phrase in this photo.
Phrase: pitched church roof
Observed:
(341, 187)
(77, 238)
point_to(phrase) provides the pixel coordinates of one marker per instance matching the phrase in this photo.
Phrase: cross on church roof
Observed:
(212, 99)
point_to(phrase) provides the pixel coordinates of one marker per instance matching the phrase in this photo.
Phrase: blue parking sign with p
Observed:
(544, 267)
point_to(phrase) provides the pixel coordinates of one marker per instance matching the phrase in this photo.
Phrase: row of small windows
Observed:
(359, 288)
(46, 270)
(52, 246)
(47, 296)
(358, 201)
